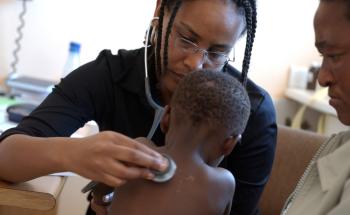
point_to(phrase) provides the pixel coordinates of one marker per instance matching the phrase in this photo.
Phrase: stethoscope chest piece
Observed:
(167, 174)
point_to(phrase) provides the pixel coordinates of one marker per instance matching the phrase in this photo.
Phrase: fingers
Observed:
(134, 157)
(126, 141)
(123, 171)
(113, 181)
(136, 154)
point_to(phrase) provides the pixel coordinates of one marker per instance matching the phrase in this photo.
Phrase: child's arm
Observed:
(228, 209)
(228, 183)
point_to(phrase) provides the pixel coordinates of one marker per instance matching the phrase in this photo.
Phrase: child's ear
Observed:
(164, 123)
(230, 144)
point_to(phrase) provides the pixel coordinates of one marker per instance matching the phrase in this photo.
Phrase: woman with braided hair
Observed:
(186, 35)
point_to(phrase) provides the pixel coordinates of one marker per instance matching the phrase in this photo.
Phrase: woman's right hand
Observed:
(112, 158)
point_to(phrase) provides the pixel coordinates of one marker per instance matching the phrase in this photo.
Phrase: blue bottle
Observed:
(73, 59)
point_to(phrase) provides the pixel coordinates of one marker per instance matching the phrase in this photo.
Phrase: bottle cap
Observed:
(74, 47)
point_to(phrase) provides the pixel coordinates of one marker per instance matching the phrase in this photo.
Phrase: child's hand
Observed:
(99, 209)
(97, 204)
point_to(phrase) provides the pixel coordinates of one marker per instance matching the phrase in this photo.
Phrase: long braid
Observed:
(250, 39)
(170, 25)
(254, 19)
(159, 37)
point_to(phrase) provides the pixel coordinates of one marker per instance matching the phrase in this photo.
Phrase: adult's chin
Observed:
(342, 109)
(342, 113)
(344, 118)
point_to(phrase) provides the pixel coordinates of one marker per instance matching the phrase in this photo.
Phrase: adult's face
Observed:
(210, 24)
(332, 31)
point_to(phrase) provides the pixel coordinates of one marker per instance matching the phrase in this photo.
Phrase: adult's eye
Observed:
(216, 55)
(335, 57)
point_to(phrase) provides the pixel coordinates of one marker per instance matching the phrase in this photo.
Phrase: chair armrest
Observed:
(39, 194)
(294, 150)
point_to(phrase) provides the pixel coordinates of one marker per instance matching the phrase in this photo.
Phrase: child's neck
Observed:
(187, 145)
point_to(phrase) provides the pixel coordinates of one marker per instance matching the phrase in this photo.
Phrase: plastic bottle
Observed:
(73, 59)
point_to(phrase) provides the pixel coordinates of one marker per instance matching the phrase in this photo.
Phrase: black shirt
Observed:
(110, 90)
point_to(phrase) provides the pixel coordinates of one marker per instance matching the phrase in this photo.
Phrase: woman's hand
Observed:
(111, 158)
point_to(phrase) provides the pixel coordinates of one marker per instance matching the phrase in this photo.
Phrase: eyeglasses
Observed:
(210, 57)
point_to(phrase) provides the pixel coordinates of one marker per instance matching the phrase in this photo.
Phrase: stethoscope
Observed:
(158, 110)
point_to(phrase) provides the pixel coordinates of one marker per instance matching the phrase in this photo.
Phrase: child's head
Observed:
(213, 102)
(212, 99)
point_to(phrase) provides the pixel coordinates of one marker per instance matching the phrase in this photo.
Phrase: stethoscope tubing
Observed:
(158, 110)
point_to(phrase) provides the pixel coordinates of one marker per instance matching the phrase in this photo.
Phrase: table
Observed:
(38, 195)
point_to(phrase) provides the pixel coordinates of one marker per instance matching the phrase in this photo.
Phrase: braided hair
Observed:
(250, 15)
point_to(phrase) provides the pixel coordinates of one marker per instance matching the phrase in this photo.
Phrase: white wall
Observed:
(284, 35)
(51, 25)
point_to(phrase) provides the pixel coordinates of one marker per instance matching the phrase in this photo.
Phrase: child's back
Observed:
(196, 188)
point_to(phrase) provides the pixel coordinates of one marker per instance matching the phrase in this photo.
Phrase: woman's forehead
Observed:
(212, 18)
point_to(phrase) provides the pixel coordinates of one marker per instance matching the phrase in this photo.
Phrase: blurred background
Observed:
(284, 59)
(284, 35)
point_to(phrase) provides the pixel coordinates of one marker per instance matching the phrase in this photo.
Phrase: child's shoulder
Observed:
(225, 179)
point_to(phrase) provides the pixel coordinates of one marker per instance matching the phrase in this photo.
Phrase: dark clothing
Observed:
(110, 90)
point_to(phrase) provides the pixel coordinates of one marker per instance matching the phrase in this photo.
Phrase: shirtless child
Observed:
(207, 114)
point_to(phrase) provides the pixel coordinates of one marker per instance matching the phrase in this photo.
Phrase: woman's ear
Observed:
(164, 123)
(230, 144)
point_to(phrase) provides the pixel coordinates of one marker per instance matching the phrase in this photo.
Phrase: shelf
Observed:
(305, 96)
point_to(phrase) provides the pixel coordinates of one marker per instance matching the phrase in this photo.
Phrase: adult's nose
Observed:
(194, 61)
(325, 75)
